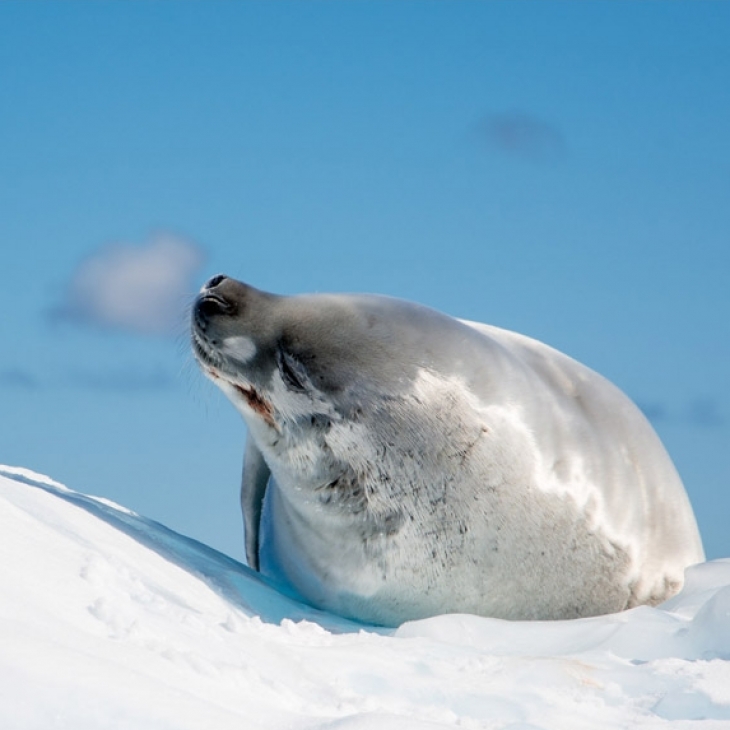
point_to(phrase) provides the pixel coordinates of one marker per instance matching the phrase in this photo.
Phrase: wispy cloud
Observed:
(141, 289)
(705, 412)
(702, 412)
(119, 380)
(523, 135)
(654, 411)
(18, 378)
(122, 381)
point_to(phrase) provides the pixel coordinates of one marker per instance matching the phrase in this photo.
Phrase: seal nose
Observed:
(207, 306)
(210, 303)
(214, 281)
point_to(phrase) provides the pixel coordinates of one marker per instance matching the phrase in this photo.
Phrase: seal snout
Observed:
(213, 301)
(209, 305)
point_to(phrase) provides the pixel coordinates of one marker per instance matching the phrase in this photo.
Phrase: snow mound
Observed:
(110, 620)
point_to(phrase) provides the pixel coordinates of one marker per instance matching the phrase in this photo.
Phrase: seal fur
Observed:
(401, 463)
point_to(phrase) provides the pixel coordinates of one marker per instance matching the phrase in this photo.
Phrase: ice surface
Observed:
(110, 620)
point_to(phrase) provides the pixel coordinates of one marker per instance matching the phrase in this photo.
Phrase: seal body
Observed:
(401, 463)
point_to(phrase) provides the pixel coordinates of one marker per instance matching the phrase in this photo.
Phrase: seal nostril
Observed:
(217, 279)
(208, 306)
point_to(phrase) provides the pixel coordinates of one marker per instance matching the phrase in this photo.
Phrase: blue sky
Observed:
(561, 169)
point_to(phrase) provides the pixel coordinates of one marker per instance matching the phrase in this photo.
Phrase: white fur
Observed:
(358, 584)
(239, 348)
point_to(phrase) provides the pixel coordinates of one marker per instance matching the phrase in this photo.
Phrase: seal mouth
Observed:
(257, 403)
(213, 363)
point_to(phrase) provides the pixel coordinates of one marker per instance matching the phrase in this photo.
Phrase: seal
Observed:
(401, 463)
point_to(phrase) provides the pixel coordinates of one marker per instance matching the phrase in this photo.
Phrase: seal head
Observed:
(402, 463)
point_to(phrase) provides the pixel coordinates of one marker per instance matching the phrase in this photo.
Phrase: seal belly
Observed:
(512, 571)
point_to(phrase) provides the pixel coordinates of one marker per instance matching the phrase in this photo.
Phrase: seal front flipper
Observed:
(254, 481)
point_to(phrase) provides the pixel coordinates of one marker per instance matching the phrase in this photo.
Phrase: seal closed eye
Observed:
(292, 372)
(401, 463)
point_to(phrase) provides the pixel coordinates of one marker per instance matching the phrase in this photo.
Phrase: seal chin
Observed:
(204, 354)
(216, 367)
(211, 361)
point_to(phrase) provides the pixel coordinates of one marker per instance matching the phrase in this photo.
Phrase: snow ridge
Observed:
(111, 620)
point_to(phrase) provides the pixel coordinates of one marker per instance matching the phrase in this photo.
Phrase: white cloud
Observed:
(141, 289)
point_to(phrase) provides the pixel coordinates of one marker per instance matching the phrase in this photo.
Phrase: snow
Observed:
(110, 620)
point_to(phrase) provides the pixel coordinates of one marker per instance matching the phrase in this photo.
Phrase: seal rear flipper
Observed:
(254, 480)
